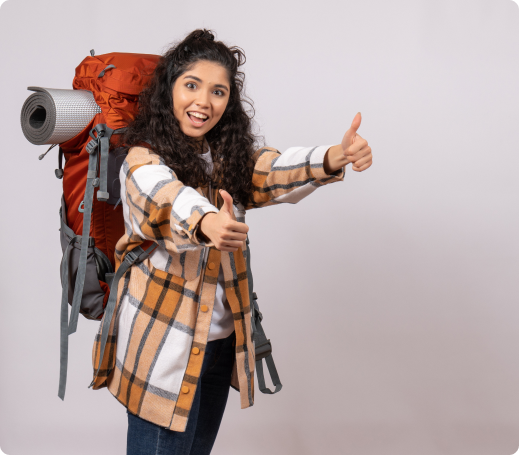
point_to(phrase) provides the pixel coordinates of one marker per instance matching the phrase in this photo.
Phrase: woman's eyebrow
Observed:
(193, 77)
(222, 86)
(200, 80)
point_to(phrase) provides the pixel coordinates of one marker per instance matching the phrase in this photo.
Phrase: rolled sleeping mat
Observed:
(53, 116)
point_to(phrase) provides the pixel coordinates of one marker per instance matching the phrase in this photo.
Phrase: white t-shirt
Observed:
(222, 322)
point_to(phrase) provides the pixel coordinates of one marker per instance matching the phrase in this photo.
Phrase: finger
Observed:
(363, 167)
(231, 246)
(355, 124)
(236, 226)
(237, 236)
(227, 202)
(351, 135)
(358, 145)
(360, 154)
(363, 160)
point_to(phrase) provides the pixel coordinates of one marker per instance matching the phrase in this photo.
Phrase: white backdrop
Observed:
(406, 272)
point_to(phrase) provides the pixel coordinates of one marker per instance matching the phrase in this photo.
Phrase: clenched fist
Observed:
(221, 228)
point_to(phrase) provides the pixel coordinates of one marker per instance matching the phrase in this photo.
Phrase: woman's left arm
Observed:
(299, 171)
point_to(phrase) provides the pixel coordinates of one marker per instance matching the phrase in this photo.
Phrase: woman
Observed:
(181, 335)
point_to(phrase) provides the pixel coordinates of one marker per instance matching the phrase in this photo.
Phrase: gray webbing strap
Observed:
(132, 257)
(87, 218)
(102, 194)
(264, 351)
(263, 347)
(63, 359)
(104, 134)
(273, 375)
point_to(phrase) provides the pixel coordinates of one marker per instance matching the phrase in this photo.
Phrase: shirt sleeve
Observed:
(289, 176)
(159, 207)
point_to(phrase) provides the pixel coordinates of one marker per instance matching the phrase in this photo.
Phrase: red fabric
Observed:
(116, 93)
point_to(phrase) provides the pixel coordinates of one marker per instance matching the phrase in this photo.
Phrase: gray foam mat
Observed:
(53, 116)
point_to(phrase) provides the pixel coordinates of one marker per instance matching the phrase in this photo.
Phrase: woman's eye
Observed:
(218, 92)
(190, 85)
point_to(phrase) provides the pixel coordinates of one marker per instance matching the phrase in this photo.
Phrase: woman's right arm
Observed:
(159, 207)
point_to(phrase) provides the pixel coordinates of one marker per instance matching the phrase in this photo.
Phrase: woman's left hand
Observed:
(353, 149)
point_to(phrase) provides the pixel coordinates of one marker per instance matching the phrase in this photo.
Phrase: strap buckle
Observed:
(263, 350)
(131, 257)
(92, 146)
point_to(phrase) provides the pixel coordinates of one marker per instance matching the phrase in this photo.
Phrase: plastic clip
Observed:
(131, 257)
(92, 146)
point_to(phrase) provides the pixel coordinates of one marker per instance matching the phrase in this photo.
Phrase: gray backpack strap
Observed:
(86, 208)
(63, 360)
(262, 346)
(132, 257)
(103, 137)
(65, 270)
(263, 349)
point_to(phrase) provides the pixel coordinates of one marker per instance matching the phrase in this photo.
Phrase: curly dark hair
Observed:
(232, 140)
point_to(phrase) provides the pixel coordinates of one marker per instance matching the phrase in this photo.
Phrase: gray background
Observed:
(390, 298)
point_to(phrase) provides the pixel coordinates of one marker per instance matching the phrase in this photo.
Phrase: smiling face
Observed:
(200, 97)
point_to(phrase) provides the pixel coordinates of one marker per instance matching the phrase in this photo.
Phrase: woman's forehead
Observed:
(208, 72)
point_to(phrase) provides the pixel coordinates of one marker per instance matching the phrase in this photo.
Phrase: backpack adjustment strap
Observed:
(101, 142)
(63, 360)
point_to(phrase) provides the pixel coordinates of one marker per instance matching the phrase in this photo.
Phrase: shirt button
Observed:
(204, 308)
(195, 351)
(211, 266)
(185, 389)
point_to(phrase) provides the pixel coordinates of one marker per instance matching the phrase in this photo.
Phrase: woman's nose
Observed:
(202, 99)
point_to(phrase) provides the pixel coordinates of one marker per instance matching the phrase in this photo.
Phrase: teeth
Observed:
(196, 114)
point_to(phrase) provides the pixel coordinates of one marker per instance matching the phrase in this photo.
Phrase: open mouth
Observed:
(197, 119)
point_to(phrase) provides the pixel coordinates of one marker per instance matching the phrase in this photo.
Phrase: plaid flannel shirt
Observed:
(157, 337)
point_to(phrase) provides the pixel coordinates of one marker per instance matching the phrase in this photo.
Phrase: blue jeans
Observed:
(146, 438)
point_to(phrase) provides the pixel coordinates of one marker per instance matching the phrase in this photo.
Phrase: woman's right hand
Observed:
(226, 233)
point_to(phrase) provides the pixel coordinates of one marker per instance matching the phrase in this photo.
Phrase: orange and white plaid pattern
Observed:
(157, 338)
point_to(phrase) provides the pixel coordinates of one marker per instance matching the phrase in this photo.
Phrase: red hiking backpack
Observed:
(91, 213)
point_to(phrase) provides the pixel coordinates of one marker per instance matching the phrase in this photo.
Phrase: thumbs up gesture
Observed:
(222, 229)
(353, 149)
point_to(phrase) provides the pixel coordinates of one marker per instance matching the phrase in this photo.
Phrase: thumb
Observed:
(349, 137)
(227, 203)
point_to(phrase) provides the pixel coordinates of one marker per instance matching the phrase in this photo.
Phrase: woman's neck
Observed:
(202, 146)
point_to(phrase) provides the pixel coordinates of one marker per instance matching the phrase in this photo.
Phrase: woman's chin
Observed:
(193, 131)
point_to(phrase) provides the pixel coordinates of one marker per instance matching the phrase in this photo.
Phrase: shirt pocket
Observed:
(184, 264)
